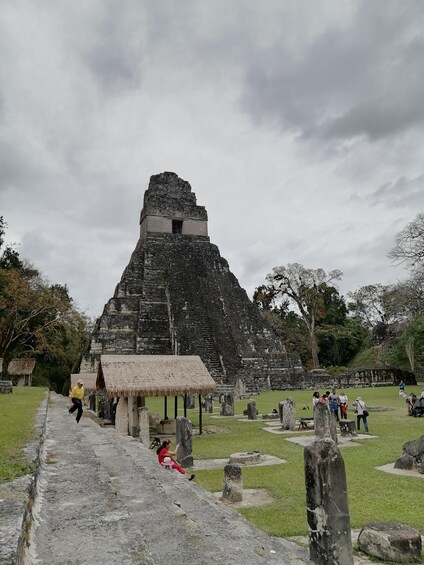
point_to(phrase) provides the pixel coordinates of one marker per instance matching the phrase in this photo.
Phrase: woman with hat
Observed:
(361, 413)
(76, 396)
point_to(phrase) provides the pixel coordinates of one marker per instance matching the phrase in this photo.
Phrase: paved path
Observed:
(103, 499)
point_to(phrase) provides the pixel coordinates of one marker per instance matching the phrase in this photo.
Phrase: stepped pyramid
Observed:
(178, 296)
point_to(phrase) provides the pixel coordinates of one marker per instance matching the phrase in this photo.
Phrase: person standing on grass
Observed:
(361, 414)
(334, 403)
(77, 396)
(164, 454)
(343, 402)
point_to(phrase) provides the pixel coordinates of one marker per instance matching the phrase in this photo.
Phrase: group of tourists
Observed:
(339, 404)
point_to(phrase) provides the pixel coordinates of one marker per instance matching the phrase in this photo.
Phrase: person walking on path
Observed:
(165, 454)
(361, 414)
(343, 402)
(77, 396)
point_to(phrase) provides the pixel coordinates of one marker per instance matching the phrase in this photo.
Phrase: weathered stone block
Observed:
(327, 505)
(251, 410)
(390, 542)
(288, 414)
(184, 435)
(348, 428)
(324, 421)
(233, 484)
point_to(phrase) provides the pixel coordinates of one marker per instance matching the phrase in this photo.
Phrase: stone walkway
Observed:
(102, 498)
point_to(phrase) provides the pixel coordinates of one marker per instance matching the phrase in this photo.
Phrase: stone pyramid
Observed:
(178, 296)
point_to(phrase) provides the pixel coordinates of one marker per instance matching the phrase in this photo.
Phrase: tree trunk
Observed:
(314, 349)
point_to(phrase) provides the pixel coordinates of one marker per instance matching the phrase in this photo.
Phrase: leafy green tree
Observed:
(37, 318)
(307, 290)
(408, 351)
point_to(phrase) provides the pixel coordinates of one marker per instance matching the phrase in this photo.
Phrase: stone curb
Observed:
(35, 453)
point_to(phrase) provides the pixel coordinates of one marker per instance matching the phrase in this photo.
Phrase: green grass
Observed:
(17, 416)
(373, 495)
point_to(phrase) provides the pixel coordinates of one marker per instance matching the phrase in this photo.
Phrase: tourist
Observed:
(165, 454)
(77, 396)
(343, 403)
(402, 389)
(315, 398)
(410, 401)
(361, 414)
(334, 403)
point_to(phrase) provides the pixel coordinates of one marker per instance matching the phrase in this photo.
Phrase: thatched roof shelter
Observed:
(88, 378)
(21, 367)
(153, 375)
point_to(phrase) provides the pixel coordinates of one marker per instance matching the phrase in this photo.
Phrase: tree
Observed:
(306, 289)
(409, 246)
(36, 317)
(372, 304)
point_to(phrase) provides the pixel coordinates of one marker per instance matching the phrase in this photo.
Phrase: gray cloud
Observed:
(359, 79)
(292, 121)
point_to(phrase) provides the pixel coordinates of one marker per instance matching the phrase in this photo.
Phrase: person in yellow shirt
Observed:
(76, 396)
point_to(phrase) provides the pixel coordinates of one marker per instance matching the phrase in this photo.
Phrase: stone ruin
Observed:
(178, 296)
(412, 458)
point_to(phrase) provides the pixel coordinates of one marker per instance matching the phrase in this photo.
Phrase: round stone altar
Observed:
(246, 458)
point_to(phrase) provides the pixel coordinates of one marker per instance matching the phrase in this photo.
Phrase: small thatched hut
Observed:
(20, 371)
(134, 377)
(153, 375)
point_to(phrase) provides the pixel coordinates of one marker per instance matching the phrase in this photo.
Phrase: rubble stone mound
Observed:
(413, 456)
(390, 542)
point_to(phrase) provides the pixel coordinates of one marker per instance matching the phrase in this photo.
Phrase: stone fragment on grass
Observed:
(390, 542)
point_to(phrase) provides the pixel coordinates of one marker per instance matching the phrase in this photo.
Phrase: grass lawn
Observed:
(373, 495)
(17, 417)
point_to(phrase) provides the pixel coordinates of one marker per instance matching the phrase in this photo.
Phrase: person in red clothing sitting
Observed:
(164, 451)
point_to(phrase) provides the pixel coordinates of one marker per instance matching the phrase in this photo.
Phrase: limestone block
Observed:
(330, 540)
(233, 484)
(166, 427)
(324, 421)
(251, 410)
(121, 416)
(288, 414)
(184, 433)
(390, 542)
(348, 428)
(143, 422)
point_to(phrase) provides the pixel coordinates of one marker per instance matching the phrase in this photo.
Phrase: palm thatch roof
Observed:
(153, 375)
(88, 378)
(21, 367)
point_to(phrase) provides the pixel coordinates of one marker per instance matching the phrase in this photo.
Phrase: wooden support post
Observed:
(200, 414)
(185, 406)
(165, 407)
(175, 407)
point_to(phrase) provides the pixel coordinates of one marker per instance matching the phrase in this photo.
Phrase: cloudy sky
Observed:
(298, 123)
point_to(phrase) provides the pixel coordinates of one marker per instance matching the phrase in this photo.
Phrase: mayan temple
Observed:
(178, 296)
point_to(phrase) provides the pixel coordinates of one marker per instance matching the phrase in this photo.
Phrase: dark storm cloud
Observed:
(360, 79)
